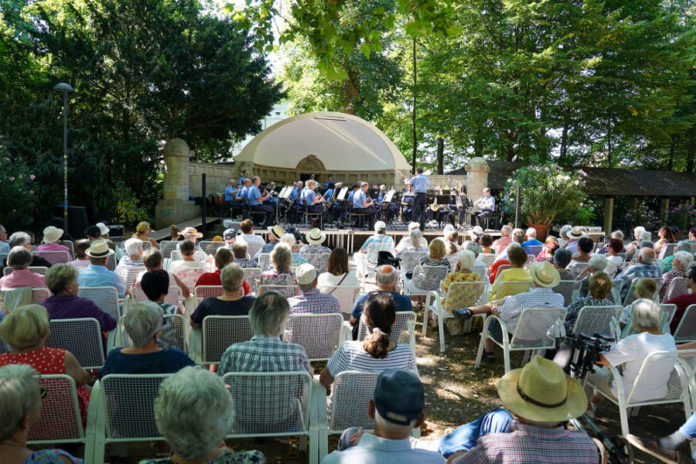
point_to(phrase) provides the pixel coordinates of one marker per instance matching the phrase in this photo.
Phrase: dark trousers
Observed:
(419, 210)
(480, 215)
(369, 213)
(270, 213)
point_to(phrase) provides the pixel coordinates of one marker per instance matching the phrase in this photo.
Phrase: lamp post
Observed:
(66, 89)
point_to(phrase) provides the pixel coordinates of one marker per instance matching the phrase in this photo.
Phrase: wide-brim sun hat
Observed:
(52, 234)
(541, 392)
(544, 274)
(191, 232)
(315, 237)
(477, 231)
(99, 249)
(276, 231)
(576, 233)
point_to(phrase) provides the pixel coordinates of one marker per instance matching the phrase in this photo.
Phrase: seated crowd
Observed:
(158, 289)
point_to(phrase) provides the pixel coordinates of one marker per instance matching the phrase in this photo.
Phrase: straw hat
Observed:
(576, 233)
(544, 274)
(52, 234)
(99, 249)
(276, 231)
(315, 237)
(541, 392)
(191, 232)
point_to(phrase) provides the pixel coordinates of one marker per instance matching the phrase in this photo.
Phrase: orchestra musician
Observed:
(337, 208)
(407, 205)
(362, 204)
(486, 203)
(243, 192)
(313, 200)
(256, 200)
(420, 187)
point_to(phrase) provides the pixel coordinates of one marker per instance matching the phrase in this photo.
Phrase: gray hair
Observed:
(19, 239)
(288, 239)
(19, 258)
(684, 258)
(209, 412)
(475, 248)
(617, 234)
(386, 275)
(646, 255)
(506, 230)
(231, 277)
(598, 262)
(132, 246)
(20, 393)
(646, 244)
(142, 322)
(638, 231)
(646, 313)
(281, 257)
(59, 276)
(531, 232)
(518, 235)
(466, 259)
(645, 235)
(268, 314)
(685, 245)
(564, 230)
(415, 236)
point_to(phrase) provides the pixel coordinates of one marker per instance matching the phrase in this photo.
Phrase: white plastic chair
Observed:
(35, 269)
(403, 330)
(124, 411)
(677, 386)
(346, 296)
(534, 331)
(319, 334)
(570, 289)
(274, 404)
(219, 332)
(253, 277)
(54, 257)
(596, 319)
(104, 297)
(287, 291)
(82, 337)
(686, 330)
(459, 295)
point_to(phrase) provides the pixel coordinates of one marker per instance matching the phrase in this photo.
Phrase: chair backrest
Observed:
(175, 255)
(531, 259)
(270, 402)
(678, 286)
(350, 394)
(173, 332)
(688, 358)
(54, 257)
(428, 278)
(319, 334)
(616, 288)
(630, 297)
(346, 296)
(411, 259)
(82, 337)
(253, 277)
(400, 329)
(39, 295)
(128, 274)
(320, 261)
(533, 327)
(567, 289)
(264, 261)
(686, 330)
(174, 295)
(104, 297)
(286, 290)
(578, 267)
(501, 268)
(463, 294)
(219, 332)
(668, 311)
(663, 365)
(210, 247)
(205, 291)
(36, 269)
(534, 250)
(69, 244)
(60, 412)
(666, 250)
(166, 248)
(487, 258)
(111, 262)
(129, 404)
(596, 319)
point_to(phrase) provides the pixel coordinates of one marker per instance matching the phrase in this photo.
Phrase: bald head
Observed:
(386, 277)
(646, 256)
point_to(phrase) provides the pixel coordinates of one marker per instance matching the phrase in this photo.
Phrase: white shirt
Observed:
(631, 352)
(376, 450)
(406, 242)
(326, 279)
(253, 242)
(613, 263)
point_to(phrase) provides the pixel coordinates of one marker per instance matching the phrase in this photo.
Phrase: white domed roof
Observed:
(342, 142)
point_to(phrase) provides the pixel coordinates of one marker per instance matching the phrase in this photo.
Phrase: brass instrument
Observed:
(332, 200)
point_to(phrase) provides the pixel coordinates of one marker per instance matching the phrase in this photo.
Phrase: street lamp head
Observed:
(63, 87)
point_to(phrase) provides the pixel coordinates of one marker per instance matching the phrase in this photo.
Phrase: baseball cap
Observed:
(305, 274)
(229, 234)
(399, 396)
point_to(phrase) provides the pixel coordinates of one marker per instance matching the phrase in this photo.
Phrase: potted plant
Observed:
(546, 192)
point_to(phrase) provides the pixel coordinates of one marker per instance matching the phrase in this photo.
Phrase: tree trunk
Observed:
(610, 161)
(415, 83)
(564, 141)
(440, 155)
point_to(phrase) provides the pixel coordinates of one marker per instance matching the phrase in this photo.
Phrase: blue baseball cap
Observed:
(399, 396)
(229, 234)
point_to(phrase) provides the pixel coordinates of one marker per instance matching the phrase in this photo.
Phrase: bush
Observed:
(682, 216)
(17, 182)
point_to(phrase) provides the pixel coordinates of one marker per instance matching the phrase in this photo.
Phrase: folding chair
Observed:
(319, 334)
(219, 332)
(287, 291)
(124, 411)
(82, 337)
(677, 382)
(678, 286)
(204, 291)
(596, 319)
(35, 269)
(425, 279)
(54, 257)
(570, 289)
(253, 277)
(686, 330)
(403, 330)
(459, 295)
(346, 296)
(411, 259)
(274, 404)
(531, 333)
(104, 297)
(209, 247)
(166, 248)
(264, 261)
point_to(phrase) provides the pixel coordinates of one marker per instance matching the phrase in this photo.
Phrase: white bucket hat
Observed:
(315, 237)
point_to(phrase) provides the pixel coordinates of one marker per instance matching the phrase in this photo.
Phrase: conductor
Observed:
(420, 186)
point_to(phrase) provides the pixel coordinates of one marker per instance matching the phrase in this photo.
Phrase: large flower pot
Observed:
(541, 229)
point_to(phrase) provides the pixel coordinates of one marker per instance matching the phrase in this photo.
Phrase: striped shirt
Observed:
(128, 269)
(313, 302)
(264, 354)
(529, 444)
(352, 356)
(538, 297)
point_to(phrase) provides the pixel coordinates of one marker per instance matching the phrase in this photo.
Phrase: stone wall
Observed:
(216, 177)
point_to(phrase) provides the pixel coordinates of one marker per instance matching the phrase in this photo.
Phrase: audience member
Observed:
(314, 238)
(410, 242)
(21, 395)
(599, 285)
(666, 448)
(516, 273)
(683, 245)
(597, 263)
(25, 331)
(517, 237)
(97, 274)
(274, 235)
(253, 242)
(143, 231)
(231, 303)
(223, 257)
(682, 261)
(614, 260)
(397, 407)
(338, 272)
(199, 435)
(645, 267)
(531, 240)
(241, 255)
(155, 285)
(563, 235)
(132, 263)
(666, 234)
(478, 267)
(467, 296)
(310, 300)
(291, 241)
(266, 352)
(573, 236)
(549, 248)
(152, 259)
(638, 235)
(561, 259)
(4, 246)
(502, 243)
(51, 236)
(143, 325)
(376, 352)
(174, 233)
(386, 277)
(281, 273)
(582, 257)
(23, 239)
(81, 259)
(684, 300)
(616, 235)
(366, 259)
(188, 269)
(19, 260)
(643, 288)
(436, 255)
